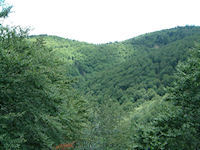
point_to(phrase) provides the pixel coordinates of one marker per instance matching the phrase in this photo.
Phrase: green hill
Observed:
(148, 69)
(139, 94)
(132, 87)
(126, 70)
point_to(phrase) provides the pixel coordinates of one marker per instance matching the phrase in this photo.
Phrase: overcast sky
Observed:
(100, 21)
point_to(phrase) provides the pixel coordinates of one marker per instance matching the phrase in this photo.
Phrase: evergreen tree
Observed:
(175, 124)
(38, 108)
(186, 95)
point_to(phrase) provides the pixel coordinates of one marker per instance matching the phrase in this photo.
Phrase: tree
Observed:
(38, 105)
(107, 128)
(186, 95)
(176, 124)
(5, 9)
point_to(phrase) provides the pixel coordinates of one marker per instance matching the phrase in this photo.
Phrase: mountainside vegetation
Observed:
(127, 84)
(142, 93)
(126, 70)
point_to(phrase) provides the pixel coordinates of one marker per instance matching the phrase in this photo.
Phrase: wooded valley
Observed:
(142, 93)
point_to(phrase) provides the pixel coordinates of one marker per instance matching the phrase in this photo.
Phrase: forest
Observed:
(139, 94)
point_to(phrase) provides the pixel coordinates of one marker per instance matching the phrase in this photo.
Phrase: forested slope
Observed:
(130, 85)
(142, 93)
(149, 70)
(129, 70)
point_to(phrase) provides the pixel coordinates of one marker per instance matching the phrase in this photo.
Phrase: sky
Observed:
(102, 21)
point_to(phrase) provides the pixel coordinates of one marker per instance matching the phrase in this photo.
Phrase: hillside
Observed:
(149, 69)
(126, 70)
(139, 94)
(142, 93)
(128, 86)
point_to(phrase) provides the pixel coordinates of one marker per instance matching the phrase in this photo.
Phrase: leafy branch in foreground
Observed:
(38, 108)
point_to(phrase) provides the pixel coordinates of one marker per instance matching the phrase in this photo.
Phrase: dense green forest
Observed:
(139, 94)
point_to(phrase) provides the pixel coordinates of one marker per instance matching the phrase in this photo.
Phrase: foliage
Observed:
(151, 68)
(108, 96)
(38, 106)
(5, 10)
(172, 123)
(107, 130)
(185, 94)
(126, 84)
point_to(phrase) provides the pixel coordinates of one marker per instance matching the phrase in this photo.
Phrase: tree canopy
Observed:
(142, 93)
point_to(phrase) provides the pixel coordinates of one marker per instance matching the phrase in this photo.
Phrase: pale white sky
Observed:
(100, 21)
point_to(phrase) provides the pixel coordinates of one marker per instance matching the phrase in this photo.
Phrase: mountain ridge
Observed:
(143, 63)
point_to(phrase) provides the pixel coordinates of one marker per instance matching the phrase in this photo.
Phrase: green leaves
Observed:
(172, 124)
(38, 106)
(5, 10)
(186, 94)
